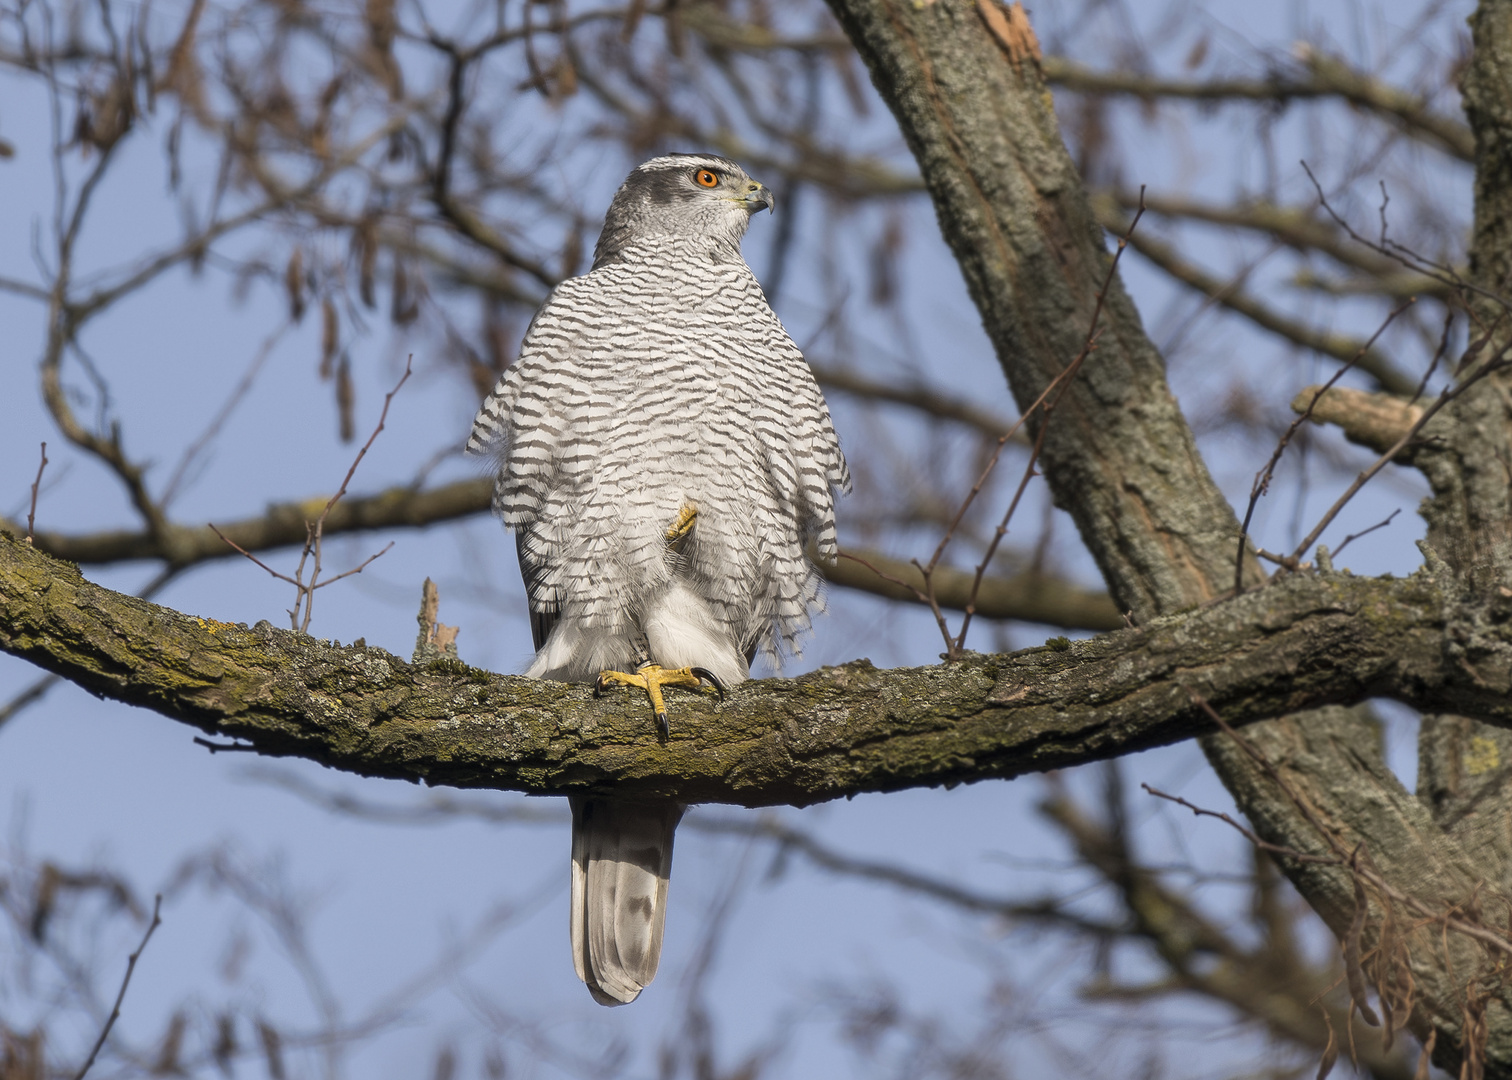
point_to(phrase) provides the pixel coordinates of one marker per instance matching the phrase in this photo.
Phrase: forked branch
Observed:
(304, 595)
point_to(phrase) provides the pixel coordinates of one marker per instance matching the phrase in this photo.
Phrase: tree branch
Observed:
(1375, 420)
(1030, 597)
(1231, 295)
(1299, 228)
(1305, 641)
(1323, 76)
(915, 396)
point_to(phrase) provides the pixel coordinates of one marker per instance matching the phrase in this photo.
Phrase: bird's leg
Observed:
(651, 678)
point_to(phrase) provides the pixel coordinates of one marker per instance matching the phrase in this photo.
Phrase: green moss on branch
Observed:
(1302, 642)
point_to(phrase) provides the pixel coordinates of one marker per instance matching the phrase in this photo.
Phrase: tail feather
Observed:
(621, 861)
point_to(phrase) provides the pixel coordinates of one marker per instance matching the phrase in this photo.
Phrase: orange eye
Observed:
(705, 178)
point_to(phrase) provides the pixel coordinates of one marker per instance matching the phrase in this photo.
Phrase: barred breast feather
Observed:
(655, 381)
(664, 458)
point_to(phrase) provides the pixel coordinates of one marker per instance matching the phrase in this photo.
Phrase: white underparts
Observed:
(682, 631)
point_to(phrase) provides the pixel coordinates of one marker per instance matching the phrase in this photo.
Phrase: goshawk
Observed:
(664, 457)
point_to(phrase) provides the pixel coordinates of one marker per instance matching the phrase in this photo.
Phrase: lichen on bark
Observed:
(1303, 641)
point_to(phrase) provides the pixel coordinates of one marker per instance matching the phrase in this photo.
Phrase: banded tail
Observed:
(621, 861)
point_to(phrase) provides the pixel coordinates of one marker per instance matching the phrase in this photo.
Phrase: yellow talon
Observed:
(684, 523)
(651, 678)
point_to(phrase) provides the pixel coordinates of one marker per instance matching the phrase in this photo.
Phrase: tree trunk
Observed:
(963, 79)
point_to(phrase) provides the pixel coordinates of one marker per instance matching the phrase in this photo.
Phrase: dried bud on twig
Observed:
(294, 284)
(381, 27)
(365, 248)
(564, 81)
(330, 337)
(405, 302)
(346, 397)
(183, 75)
(272, 1044)
(170, 1047)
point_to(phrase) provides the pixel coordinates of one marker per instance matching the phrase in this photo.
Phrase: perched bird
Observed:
(664, 457)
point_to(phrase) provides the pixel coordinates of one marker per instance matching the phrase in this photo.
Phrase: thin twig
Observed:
(1341, 858)
(1445, 397)
(920, 593)
(1247, 833)
(1366, 532)
(318, 532)
(131, 963)
(1443, 918)
(170, 490)
(1002, 527)
(382, 418)
(248, 554)
(1263, 478)
(31, 694)
(1441, 272)
(1046, 403)
(31, 515)
(359, 568)
(1438, 355)
(304, 596)
(1231, 294)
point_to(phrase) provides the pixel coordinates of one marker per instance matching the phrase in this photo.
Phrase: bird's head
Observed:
(688, 196)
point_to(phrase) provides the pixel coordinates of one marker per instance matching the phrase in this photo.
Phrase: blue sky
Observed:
(89, 783)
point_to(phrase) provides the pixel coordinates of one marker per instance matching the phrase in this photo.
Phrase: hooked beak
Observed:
(759, 197)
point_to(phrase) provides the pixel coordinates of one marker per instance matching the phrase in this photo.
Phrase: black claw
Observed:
(662, 726)
(598, 686)
(709, 677)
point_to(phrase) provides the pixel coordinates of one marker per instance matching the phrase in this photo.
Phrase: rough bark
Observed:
(1305, 641)
(1121, 459)
(963, 80)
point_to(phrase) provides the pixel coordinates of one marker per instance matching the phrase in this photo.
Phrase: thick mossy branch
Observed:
(1305, 641)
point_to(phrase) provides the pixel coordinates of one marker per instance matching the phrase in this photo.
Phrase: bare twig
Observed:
(1498, 941)
(31, 514)
(1366, 532)
(31, 694)
(1496, 363)
(1247, 833)
(914, 396)
(1298, 228)
(359, 568)
(248, 554)
(131, 963)
(304, 597)
(1046, 403)
(170, 490)
(1029, 595)
(1230, 294)
(1445, 274)
(1324, 76)
(1438, 355)
(1263, 478)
